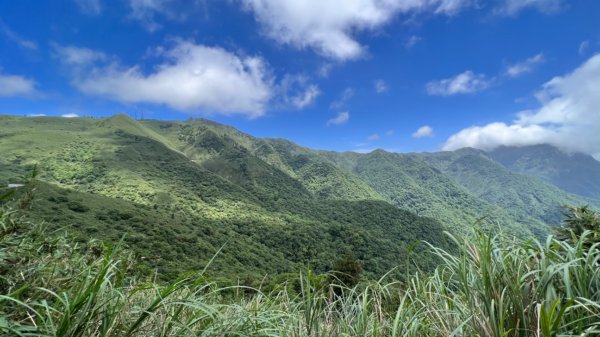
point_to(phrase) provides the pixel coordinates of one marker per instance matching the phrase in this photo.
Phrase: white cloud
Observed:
(340, 119)
(346, 95)
(77, 56)
(568, 117)
(18, 39)
(373, 137)
(583, 47)
(390, 133)
(36, 115)
(513, 7)
(527, 66)
(69, 115)
(191, 78)
(307, 98)
(14, 85)
(91, 7)
(412, 41)
(464, 83)
(297, 91)
(424, 131)
(329, 27)
(380, 86)
(145, 12)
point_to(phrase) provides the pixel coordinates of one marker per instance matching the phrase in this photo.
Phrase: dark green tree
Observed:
(347, 270)
(578, 221)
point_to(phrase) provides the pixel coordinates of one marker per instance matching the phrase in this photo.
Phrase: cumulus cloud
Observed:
(568, 117)
(297, 91)
(390, 133)
(330, 27)
(464, 83)
(14, 85)
(380, 86)
(526, 66)
(340, 119)
(191, 78)
(69, 115)
(424, 131)
(90, 7)
(373, 137)
(513, 7)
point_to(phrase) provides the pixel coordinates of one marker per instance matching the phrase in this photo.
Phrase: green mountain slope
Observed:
(573, 172)
(179, 191)
(528, 198)
(411, 183)
(214, 145)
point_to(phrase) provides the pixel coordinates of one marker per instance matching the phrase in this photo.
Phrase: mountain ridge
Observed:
(301, 205)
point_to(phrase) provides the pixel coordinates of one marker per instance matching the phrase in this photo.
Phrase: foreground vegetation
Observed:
(492, 286)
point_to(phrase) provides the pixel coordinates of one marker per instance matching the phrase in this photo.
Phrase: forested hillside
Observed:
(176, 192)
(177, 200)
(527, 198)
(573, 172)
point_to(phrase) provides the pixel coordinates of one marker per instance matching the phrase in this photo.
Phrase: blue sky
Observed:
(402, 75)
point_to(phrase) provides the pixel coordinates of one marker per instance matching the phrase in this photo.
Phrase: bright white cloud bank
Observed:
(13, 85)
(569, 117)
(329, 26)
(464, 83)
(192, 78)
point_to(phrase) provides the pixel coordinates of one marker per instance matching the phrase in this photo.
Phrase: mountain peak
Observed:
(573, 172)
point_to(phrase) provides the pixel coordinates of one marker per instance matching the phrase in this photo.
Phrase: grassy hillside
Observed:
(492, 286)
(177, 197)
(573, 172)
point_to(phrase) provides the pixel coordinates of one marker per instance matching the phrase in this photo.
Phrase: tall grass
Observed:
(492, 286)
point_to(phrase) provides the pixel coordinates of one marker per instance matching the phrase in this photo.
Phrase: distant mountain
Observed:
(177, 191)
(527, 199)
(573, 172)
(459, 188)
(411, 183)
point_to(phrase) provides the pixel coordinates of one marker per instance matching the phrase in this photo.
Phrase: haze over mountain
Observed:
(573, 172)
(179, 190)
